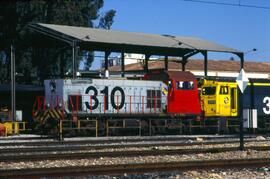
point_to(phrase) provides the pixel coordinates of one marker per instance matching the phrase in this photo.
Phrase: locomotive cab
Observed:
(182, 91)
(219, 98)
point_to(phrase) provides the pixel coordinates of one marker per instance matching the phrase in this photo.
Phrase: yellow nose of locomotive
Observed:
(219, 98)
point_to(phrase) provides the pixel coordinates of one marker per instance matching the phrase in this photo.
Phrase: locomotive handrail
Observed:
(154, 103)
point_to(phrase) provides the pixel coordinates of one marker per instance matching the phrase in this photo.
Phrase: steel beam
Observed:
(52, 34)
(190, 54)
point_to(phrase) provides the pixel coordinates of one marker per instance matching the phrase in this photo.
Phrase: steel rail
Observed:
(23, 138)
(132, 168)
(123, 138)
(37, 156)
(48, 148)
(114, 141)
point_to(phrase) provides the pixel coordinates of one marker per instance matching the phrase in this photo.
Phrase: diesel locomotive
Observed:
(220, 98)
(159, 95)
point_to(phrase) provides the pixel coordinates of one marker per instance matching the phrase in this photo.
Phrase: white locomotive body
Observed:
(106, 96)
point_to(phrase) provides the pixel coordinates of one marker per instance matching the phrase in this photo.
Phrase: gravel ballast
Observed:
(243, 173)
(140, 159)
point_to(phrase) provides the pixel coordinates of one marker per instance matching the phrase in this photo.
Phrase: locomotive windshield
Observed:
(224, 90)
(185, 85)
(209, 90)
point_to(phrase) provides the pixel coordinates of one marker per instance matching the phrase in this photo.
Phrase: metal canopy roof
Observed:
(129, 42)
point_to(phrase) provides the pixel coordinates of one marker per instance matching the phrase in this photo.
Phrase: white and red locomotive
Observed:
(160, 94)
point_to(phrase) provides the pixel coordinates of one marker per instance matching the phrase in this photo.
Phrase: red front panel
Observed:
(184, 99)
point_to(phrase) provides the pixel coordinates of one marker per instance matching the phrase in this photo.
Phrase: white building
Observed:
(216, 68)
(130, 58)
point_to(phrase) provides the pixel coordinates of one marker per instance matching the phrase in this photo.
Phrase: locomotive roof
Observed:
(129, 42)
(180, 75)
(175, 75)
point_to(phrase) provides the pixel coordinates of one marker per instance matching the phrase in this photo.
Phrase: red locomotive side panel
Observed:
(183, 96)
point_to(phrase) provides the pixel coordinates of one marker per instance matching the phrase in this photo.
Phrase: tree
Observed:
(16, 15)
(107, 20)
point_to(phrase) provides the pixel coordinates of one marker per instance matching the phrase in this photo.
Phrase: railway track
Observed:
(83, 146)
(80, 152)
(113, 140)
(133, 168)
(119, 150)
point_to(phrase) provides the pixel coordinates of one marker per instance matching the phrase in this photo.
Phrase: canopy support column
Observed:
(62, 64)
(123, 64)
(145, 65)
(166, 63)
(107, 54)
(205, 63)
(185, 58)
(241, 56)
(13, 83)
(74, 56)
(184, 62)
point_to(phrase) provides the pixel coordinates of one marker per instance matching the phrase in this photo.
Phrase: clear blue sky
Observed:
(233, 26)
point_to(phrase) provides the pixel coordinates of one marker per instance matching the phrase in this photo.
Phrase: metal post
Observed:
(184, 61)
(241, 107)
(13, 80)
(145, 65)
(166, 63)
(241, 60)
(205, 63)
(62, 64)
(96, 128)
(107, 127)
(106, 60)
(122, 64)
(61, 130)
(74, 70)
(240, 112)
(150, 127)
(107, 54)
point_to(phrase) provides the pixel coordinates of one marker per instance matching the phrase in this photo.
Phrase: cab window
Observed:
(184, 85)
(209, 90)
(224, 90)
